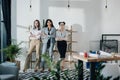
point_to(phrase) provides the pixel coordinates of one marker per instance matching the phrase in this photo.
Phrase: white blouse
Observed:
(35, 34)
(61, 35)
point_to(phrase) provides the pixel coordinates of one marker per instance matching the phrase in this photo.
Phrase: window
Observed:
(3, 35)
(0, 31)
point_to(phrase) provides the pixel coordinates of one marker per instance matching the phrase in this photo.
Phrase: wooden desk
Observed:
(92, 61)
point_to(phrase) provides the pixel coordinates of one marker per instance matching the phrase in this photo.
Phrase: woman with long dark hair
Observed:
(61, 38)
(48, 40)
(35, 34)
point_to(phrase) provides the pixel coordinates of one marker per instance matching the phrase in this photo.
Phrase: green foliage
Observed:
(12, 51)
(98, 71)
(57, 74)
(54, 66)
(50, 64)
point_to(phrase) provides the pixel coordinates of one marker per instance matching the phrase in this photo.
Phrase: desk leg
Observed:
(92, 71)
(80, 70)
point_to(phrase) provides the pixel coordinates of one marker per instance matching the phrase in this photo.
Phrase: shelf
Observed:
(69, 51)
(72, 41)
(32, 61)
(70, 30)
(71, 61)
(66, 51)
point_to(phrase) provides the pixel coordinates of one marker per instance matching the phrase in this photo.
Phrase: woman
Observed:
(61, 37)
(35, 34)
(48, 40)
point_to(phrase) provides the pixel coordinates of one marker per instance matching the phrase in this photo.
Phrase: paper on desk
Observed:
(89, 54)
(102, 54)
(117, 55)
(81, 53)
(93, 55)
(105, 54)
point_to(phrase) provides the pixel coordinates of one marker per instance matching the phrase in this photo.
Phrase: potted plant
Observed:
(56, 73)
(12, 51)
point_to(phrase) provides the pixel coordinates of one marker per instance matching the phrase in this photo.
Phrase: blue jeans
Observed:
(44, 50)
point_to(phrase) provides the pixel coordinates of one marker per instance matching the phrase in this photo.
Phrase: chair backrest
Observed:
(9, 69)
(109, 45)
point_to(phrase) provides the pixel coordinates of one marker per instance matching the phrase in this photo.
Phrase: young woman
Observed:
(61, 37)
(48, 40)
(35, 34)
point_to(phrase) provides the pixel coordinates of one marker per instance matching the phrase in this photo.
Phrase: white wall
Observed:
(83, 15)
(111, 17)
(26, 16)
(23, 17)
(88, 17)
(13, 19)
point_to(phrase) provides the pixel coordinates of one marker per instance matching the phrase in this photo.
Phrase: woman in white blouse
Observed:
(35, 34)
(61, 38)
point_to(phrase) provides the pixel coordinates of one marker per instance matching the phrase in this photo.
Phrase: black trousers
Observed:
(62, 46)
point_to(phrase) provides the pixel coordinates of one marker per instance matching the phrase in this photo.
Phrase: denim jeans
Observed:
(50, 52)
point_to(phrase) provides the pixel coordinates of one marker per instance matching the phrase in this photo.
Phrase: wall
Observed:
(88, 17)
(26, 16)
(111, 19)
(13, 19)
(83, 15)
(22, 18)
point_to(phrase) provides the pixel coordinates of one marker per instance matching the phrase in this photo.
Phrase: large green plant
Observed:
(12, 51)
(56, 73)
(54, 66)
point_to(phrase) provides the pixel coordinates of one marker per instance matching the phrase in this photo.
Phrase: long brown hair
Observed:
(38, 24)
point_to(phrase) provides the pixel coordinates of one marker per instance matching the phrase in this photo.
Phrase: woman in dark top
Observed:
(48, 40)
(61, 38)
